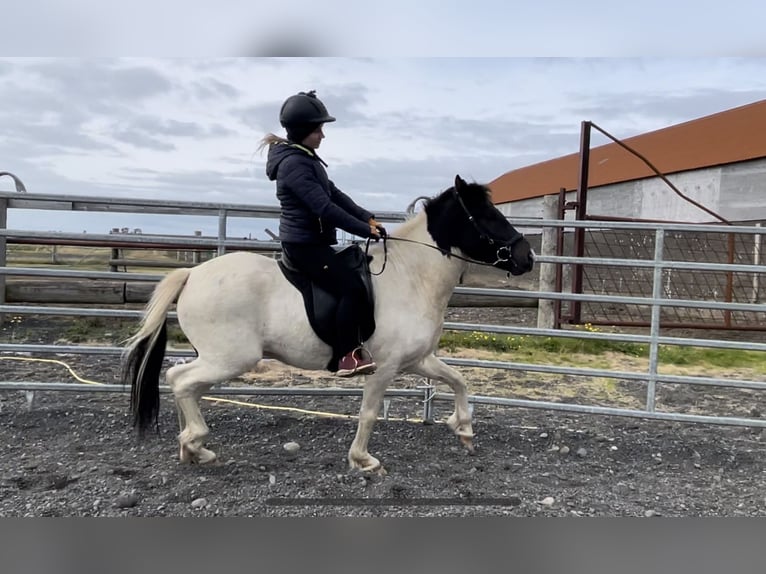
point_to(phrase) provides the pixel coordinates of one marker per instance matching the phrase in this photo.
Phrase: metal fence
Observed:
(693, 246)
(658, 301)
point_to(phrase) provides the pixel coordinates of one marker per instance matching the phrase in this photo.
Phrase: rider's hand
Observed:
(376, 229)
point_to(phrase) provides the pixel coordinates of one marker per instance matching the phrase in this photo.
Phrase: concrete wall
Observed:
(735, 191)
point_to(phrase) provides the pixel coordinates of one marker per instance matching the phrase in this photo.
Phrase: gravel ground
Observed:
(75, 455)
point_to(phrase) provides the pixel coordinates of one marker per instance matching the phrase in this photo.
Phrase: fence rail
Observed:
(655, 303)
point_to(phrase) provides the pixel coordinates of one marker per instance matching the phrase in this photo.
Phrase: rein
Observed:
(385, 253)
(503, 253)
(500, 258)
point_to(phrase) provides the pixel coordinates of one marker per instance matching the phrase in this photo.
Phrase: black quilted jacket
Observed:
(312, 207)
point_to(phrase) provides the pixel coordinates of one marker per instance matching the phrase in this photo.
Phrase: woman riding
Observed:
(312, 208)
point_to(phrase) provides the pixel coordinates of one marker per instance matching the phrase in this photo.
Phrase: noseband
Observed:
(503, 253)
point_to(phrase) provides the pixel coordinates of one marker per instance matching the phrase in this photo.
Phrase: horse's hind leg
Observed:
(460, 420)
(189, 382)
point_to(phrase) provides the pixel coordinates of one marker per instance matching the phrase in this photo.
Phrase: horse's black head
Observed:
(464, 217)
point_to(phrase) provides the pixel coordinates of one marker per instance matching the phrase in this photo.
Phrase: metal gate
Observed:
(730, 286)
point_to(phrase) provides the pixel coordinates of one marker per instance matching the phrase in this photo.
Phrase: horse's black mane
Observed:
(448, 222)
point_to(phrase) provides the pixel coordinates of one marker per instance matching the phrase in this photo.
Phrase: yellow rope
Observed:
(304, 411)
(62, 363)
(217, 399)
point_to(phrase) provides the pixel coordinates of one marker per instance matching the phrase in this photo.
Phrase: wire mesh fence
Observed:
(709, 285)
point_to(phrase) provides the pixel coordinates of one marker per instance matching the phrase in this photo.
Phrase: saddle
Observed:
(321, 305)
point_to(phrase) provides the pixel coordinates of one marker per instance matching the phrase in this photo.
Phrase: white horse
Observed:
(238, 308)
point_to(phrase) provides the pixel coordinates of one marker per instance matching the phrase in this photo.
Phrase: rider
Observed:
(312, 207)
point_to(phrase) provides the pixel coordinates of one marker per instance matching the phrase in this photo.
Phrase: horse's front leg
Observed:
(460, 420)
(372, 396)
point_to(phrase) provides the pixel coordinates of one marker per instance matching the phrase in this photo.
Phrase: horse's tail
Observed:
(142, 359)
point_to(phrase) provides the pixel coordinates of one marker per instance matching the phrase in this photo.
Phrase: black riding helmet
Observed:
(301, 114)
(303, 108)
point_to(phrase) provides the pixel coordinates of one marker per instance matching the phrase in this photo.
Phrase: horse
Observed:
(238, 308)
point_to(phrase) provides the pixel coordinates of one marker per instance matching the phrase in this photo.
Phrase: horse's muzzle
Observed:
(507, 262)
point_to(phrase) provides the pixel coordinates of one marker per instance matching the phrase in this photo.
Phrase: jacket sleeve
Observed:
(345, 202)
(300, 177)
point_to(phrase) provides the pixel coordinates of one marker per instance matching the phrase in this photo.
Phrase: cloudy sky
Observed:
(188, 128)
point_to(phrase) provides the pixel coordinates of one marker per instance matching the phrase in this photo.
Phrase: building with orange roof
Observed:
(717, 160)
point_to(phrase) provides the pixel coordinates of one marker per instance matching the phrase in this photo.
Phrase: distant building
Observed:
(125, 230)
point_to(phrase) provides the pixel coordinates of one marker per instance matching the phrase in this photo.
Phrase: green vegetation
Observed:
(451, 340)
(176, 337)
(551, 350)
(98, 258)
(108, 330)
(721, 358)
(102, 329)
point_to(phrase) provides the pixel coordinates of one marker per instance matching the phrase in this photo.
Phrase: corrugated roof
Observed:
(734, 135)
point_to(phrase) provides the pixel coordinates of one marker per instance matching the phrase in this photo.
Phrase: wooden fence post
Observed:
(546, 307)
(114, 256)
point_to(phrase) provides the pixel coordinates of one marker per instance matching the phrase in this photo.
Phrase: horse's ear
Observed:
(459, 183)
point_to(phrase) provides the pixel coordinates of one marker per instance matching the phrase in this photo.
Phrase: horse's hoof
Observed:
(468, 444)
(206, 457)
(185, 455)
(368, 464)
(202, 456)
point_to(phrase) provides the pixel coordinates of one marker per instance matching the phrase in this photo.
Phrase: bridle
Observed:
(501, 258)
(503, 252)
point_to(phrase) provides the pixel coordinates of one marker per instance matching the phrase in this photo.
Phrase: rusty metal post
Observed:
(728, 296)
(559, 279)
(755, 298)
(580, 213)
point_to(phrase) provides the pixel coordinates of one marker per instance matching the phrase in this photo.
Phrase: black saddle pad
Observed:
(321, 305)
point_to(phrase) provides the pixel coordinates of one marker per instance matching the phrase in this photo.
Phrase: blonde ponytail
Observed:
(270, 139)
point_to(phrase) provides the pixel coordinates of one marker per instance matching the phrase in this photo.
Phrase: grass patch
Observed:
(101, 329)
(107, 330)
(451, 340)
(554, 350)
(176, 336)
(98, 258)
(720, 358)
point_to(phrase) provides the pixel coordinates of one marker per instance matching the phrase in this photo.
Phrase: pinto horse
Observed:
(239, 308)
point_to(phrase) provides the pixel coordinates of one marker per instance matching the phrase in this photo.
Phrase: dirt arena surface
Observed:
(74, 454)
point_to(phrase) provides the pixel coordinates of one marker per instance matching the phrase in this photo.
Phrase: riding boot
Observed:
(356, 362)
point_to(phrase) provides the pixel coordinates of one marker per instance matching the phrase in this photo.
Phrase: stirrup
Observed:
(357, 368)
